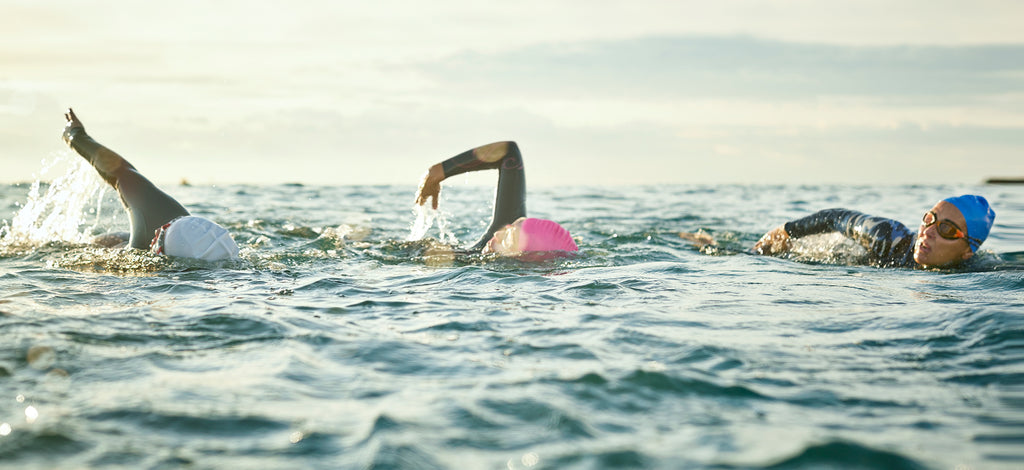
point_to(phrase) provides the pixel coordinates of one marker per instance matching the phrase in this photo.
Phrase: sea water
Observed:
(350, 336)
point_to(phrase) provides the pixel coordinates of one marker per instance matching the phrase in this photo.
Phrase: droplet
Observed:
(31, 414)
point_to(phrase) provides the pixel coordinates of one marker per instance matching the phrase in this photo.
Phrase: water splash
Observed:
(831, 248)
(97, 259)
(60, 213)
(425, 219)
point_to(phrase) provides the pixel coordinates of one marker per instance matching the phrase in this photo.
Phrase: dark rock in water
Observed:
(1004, 181)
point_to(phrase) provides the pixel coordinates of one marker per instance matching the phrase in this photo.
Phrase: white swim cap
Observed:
(195, 237)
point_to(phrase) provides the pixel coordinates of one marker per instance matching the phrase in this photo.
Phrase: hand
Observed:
(430, 186)
(700, 238)
(73, 123)
(774, 242)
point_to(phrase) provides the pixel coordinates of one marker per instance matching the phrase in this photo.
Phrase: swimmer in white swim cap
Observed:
(510, 232)
(158, 222)
(194, 237)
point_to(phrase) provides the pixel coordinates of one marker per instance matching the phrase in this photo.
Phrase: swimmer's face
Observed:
(507, 240)
(932, 250)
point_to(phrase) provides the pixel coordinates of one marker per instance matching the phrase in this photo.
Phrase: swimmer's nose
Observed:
(930, 231)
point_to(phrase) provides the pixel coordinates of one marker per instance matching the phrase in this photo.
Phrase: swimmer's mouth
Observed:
(922, 246)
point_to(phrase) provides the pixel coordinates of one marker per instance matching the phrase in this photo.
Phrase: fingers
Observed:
(72, 119)
(769, 245)
(428, 190)
(430, 186)
(774, 242)
(422, 199)
(760, 249)
(764, 245)
(423, 195)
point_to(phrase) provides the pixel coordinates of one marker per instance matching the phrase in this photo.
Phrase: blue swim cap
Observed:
(979, 216)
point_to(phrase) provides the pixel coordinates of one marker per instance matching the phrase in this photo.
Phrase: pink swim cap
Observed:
(544, 235)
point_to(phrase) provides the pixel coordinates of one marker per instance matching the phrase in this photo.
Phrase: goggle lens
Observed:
(946, 228)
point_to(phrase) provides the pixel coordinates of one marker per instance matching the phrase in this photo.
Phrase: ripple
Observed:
(661, 382)
(30, 448)
(335, 344)
(847, 455)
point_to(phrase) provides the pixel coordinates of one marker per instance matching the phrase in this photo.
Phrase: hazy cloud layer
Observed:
(743, 67)
(645, 92)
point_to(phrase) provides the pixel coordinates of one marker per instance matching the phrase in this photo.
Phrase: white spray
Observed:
(60, 213)
(425, 219)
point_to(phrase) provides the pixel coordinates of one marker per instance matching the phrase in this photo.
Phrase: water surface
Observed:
(337, 343)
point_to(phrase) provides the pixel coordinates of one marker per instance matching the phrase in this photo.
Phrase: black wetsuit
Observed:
(889, 242)
(510, 202)
(148, 207)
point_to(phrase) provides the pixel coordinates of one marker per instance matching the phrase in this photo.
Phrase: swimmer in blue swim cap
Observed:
(158, 222)
(950, 233)
(510, 231)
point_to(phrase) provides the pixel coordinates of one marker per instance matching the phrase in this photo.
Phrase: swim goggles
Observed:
(946, 229)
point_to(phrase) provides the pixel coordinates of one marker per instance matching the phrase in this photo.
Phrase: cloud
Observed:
(735, 67)
(324, 92)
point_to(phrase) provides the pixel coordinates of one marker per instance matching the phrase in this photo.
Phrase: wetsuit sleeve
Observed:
(886, 240)
(106, 162)
(148, 207)
(510, 200)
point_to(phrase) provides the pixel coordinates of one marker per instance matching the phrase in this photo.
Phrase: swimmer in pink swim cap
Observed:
(530, 235)
(510, 232)
(158, 222)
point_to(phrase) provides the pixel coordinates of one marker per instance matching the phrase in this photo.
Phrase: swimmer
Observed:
(950, 233)
(158, 222)
(510, 233)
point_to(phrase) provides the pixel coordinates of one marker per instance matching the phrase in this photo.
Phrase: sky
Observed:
(595, 92)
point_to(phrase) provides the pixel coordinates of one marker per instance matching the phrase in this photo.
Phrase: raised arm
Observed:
(148, 207)
(510, 202)
(107, 162)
